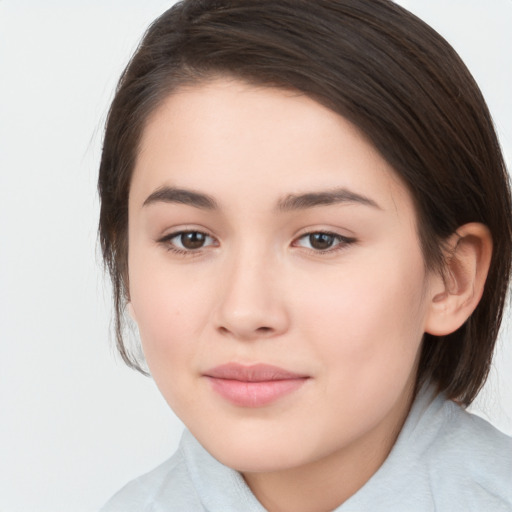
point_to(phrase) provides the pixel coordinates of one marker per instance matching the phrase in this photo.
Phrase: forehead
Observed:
(246, 143)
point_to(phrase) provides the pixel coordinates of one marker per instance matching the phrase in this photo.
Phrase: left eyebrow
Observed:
(323, 198)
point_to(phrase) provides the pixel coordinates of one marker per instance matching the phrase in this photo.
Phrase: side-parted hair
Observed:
(378, 66)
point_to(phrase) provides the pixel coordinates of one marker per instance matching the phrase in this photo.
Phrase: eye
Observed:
(188, 241)
(323, 241)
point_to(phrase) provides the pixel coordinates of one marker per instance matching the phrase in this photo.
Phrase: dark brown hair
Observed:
(380, 67)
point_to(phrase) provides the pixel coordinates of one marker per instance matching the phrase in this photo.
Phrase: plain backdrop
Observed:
(75, 424)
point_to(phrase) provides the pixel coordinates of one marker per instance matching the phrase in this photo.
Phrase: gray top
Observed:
(445, 460)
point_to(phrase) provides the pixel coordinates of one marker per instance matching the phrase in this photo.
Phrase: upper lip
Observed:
(252, 373)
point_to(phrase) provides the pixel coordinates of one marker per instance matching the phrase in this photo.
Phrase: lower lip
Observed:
(255, 394)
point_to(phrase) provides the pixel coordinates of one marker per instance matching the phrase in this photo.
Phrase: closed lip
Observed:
(252, 373)
(255, 385)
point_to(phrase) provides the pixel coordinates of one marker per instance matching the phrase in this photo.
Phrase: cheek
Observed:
(170, 309)
(170, 315)
(369, 319)
(366, 329)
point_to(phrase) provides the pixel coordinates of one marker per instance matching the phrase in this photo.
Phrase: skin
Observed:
(350, 318)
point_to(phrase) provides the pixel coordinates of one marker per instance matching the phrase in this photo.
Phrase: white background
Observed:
(74, 423)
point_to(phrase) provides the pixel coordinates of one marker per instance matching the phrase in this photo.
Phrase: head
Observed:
(397, 86)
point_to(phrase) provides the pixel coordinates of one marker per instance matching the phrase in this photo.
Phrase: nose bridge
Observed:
(251, 304)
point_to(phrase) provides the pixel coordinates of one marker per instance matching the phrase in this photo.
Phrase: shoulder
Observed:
(192, 480)
(470, 462)
(167, 483)
(444, 459)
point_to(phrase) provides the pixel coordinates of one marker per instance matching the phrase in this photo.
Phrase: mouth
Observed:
(254, 385)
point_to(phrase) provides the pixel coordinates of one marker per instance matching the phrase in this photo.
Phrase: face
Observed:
(276, 276)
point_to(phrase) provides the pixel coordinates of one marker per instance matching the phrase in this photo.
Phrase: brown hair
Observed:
(380, 67)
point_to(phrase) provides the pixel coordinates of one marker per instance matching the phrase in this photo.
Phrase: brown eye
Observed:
(187, 241)
(192, 240)
(321, 241)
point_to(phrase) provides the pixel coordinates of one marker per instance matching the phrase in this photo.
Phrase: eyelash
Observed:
(342, 242)
(167, 242)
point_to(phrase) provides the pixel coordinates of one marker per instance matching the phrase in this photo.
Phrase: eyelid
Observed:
(166, 240)
(342, 241)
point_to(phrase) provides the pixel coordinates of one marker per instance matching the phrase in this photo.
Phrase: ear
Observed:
(131, 311)
(456, 293)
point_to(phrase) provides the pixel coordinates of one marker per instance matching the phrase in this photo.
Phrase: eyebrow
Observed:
(289, 203)
(182, 196)
(324, 198)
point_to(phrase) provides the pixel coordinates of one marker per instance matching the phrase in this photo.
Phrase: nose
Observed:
(251, 303)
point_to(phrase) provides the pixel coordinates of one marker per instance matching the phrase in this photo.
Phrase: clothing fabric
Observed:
(445, 460)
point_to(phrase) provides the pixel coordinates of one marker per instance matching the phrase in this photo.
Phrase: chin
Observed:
(262, 459)
(255, 450)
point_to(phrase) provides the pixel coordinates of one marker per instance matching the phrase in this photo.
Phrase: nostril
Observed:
(249, 332)
(264, 330)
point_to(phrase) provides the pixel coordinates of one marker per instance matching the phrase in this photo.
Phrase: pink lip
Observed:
(255, 385)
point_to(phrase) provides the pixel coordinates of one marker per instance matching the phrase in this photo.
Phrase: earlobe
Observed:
(456, 293)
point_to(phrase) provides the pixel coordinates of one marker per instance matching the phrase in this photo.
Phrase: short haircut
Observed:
(378, 66)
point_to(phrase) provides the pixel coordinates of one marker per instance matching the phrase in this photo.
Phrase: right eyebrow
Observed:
(182, 196)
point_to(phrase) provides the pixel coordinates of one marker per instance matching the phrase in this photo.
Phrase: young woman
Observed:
(305, 210)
